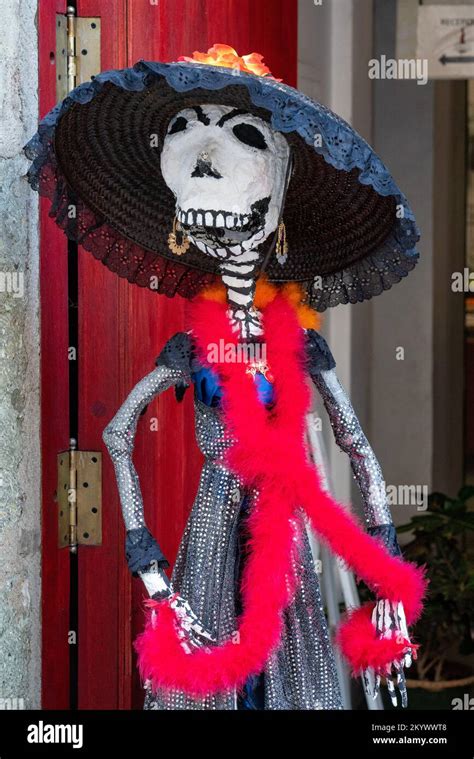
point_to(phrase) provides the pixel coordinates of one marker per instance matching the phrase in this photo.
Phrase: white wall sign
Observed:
(445, 37)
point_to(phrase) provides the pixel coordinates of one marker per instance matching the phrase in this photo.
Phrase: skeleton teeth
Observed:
(229, 222)
(199, 219)
(209, 219)
(220, 220)
(189, 219)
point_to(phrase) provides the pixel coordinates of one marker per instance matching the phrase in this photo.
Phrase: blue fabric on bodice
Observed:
(209, 391)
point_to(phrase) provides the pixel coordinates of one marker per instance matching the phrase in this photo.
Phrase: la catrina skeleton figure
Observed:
(198, 180)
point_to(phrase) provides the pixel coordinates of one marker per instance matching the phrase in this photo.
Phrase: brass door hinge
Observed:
(79, 498)
(77, 51)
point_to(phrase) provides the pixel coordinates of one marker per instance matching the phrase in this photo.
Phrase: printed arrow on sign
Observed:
(456, 59)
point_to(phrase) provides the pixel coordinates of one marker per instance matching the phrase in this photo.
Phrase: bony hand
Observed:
(190, 630)
(388, 618)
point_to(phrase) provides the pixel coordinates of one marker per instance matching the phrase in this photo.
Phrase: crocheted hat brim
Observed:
(347, 239)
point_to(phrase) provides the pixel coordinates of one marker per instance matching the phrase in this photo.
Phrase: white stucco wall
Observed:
(19, 365)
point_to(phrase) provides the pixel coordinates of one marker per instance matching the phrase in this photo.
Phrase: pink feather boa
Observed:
(270, 455)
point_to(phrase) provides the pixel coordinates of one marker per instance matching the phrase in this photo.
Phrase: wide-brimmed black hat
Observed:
(350, 231)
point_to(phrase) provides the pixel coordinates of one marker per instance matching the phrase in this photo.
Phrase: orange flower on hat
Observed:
(226, 56)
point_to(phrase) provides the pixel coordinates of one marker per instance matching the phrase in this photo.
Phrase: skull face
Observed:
(227, 170)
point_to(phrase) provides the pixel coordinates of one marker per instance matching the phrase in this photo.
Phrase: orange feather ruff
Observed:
(265, 293)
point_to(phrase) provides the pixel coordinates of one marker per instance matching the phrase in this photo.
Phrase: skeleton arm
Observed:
(143, 552)
(351, 439)
(144, 555)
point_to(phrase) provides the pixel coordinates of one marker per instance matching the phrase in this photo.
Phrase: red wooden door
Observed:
(121, 330)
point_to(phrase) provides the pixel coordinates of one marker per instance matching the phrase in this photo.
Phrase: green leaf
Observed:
(466, 492)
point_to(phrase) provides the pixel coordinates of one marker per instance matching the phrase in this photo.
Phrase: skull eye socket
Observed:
(179, 125)
(250, 135)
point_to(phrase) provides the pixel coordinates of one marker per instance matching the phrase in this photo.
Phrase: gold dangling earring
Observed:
(177, 248)
(282, 244)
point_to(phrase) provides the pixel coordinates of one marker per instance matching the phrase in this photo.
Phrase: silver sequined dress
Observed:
(301, 674)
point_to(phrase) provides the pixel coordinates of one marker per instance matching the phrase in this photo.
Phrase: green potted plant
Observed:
(443, 674)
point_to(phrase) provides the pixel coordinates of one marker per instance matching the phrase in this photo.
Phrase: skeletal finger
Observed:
(377, 686)
(193, 642)
(404, 631)
(392, 691)
(390, 684)
(402, 687)
(403, 620)
(374, 615)
(380, 615)
(186, 641)
(367, 679)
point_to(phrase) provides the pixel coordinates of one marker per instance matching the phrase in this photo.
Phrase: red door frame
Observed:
(54, 401)
(121, 330)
